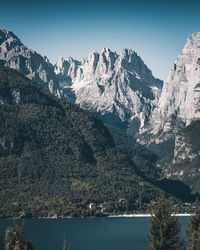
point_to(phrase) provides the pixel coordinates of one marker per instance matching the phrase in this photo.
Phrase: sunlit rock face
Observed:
(15, 55)
(180, 95)
(119, 88)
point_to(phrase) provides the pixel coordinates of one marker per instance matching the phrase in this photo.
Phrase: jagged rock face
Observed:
(182, 150)
(119, 88)
(15, 55)
(181, 90)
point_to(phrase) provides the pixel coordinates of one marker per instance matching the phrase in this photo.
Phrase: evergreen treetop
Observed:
(193, 229)
(164, 231)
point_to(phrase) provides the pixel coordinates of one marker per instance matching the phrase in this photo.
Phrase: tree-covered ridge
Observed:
(187, 157)
(56, 158)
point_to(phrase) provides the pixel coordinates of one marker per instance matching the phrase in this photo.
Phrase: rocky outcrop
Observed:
(15, 55)
(180, 96)
(119, 88)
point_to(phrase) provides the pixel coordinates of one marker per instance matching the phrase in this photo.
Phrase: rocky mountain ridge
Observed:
(120, 89)
(180, 97)
(15, 55)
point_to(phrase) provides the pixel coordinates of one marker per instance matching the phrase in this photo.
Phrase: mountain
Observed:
(15, 55)
(186, 158)
(180, 100)
(56, 158)
(120, 89)
(172, 132)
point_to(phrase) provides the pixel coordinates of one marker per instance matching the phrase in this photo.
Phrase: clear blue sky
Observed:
(156, 30)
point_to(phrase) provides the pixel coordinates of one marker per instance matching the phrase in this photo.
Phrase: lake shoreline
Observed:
(95, 217)
(142, 215)
(88, 233)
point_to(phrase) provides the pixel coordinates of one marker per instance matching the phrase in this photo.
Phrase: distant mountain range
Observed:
(120, 89)
(122, 92)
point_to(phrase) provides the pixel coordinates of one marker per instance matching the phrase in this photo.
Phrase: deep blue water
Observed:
(87, 234)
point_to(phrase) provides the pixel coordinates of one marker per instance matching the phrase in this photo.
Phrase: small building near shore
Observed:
(92, 206)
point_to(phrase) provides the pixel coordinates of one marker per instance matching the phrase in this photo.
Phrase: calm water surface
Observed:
(87, 234)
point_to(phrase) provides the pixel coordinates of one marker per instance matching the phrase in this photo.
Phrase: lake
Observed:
(88, 233)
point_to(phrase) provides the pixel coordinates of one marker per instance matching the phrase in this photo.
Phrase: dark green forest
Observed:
(190, 166)
(55, 158)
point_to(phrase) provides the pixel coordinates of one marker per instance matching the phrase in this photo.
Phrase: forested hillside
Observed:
(56, 158)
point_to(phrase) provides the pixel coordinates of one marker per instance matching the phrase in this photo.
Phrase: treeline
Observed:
(164, 229)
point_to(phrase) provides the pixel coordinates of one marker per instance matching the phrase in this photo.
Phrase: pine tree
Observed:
(65, 247)
(164, 231)
(14, 238)
(193, 229)
(1, 244)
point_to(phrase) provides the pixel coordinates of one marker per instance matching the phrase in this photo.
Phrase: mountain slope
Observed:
(172, 131)
(120, 89)
(56, 158)
(180, 99)
(15, 55)
(186, 160)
